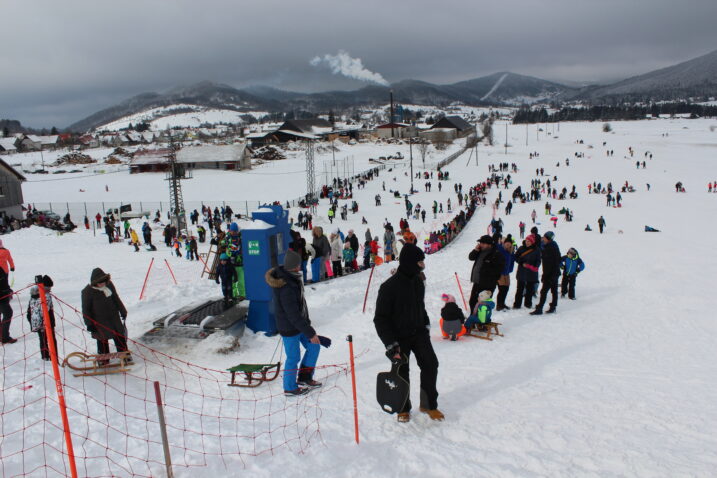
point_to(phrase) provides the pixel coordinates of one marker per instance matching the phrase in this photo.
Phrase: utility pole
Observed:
(410, 153)
(506, 138)
(310, 179)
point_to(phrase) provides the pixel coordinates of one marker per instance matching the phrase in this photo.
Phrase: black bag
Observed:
(392, 390)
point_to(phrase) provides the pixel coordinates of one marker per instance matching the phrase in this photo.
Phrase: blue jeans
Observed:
(316, 269)
(293, 355)
(303, 269)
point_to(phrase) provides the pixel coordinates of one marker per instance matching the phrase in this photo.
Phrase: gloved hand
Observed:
(217, 281)
(393, 352)
(12, 269)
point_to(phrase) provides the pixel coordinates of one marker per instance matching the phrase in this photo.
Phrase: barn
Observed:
(10, 190)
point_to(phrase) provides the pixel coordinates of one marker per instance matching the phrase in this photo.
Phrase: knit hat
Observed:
(224, 257)
(292, 260)
(530, 238)
(549, 235)
(485, 295)
(486, 239)
(234, 227)
(534, 229)
(448, 298)
(47, 281)
(409, 258)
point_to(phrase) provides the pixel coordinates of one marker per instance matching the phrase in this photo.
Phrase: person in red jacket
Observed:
(6, 262)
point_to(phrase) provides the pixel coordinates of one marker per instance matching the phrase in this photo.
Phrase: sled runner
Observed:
(102, 364)
(491, 329)
(392, 390)
(254, 374)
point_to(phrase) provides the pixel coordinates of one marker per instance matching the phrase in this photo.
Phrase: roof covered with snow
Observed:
(211, 153)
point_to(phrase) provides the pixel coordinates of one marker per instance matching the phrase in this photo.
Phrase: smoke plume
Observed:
(343, 64)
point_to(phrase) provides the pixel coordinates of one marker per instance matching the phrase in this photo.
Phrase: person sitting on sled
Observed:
(482, 312)
(452, 318)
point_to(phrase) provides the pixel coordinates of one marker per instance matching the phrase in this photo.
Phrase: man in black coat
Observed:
(354, 242)
(550, 257)
(402, 325)
(488, 265)
(294, 325)
(104, 313)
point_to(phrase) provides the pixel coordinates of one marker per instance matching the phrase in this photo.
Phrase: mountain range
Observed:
(694, 79)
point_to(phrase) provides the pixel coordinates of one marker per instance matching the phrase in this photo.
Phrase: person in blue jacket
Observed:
(572, 265)
(506, 249)
(294, 325)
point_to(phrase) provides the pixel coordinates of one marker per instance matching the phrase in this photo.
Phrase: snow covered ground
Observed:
(618, 383)
(162, 117)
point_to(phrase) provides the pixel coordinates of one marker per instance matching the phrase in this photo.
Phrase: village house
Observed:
(10, 190)
(232, 157)
(462, 127)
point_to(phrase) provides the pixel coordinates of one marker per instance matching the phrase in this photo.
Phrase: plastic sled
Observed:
(392, 390)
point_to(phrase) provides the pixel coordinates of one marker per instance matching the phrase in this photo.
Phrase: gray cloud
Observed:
(60, 61)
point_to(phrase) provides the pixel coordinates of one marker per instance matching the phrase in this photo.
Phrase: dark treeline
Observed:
(605, 113)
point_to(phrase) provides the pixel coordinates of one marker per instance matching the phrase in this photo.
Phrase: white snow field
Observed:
(620, 382)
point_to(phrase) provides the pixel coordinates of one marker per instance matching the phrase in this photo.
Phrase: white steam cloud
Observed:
(343, 64)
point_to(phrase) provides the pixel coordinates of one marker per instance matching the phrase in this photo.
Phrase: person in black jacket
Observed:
(227, 272)
(528, 258)
(294, 325)
(488, 265)
(6, 296)
(298, 245)
(550, 256)
(402, 325)
(353, 240)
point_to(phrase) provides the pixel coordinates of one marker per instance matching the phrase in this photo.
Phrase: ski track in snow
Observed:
(495, 87)
(618, 383)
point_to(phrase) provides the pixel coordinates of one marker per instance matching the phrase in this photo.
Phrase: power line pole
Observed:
(310, 179)
(410, 153)
(506, 138)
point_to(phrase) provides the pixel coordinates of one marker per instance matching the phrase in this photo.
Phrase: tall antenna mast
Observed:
(175, 174)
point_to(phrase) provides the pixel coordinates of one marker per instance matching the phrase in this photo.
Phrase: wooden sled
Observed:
(254, 374)
(90, 365)
(492, 329)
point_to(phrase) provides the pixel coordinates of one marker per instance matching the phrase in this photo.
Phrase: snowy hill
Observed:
(620, 382)
(695, 78)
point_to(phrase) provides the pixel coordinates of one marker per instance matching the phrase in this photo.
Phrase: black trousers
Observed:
(567, 285)
(523, 290)
(549, 284)
(336, 268)
(477, 289)
(502, 294)
(427, 361)
(6, 312)
(44, 348)
(103, 346)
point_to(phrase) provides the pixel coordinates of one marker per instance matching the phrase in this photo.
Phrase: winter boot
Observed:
(552, 310)
(537, 312)
(310, 384)
(297, 392)
(434, 414)
(404, 417)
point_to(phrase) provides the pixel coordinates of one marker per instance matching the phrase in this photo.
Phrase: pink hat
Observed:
(448, 298)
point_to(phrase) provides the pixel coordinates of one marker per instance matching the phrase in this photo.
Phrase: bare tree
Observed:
(423, 147)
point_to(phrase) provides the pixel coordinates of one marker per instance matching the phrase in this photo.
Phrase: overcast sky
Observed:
(63, 60)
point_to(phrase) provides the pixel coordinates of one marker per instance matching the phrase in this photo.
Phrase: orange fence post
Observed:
(141, 294)
(365, 298)
(56, 372)
(170, 271)
(461, 290)
(353, 385)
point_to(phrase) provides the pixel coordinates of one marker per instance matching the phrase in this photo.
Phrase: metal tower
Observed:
(175, 174)
(310, 175)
